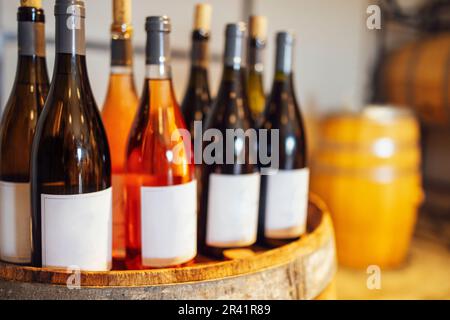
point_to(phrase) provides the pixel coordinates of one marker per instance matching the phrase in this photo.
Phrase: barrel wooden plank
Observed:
(374, 154)
(417, 76)
(299, 270)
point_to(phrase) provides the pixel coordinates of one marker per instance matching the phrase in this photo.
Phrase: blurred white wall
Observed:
(334, 50)
(333, 58)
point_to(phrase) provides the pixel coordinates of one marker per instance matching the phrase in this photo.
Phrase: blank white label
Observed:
(286, 203)
(15, 222)
(169, 224)
(76, 230)
(232, 219)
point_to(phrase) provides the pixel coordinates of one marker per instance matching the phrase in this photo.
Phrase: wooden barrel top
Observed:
(300, 270)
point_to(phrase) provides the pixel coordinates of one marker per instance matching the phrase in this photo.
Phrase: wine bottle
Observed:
(255, 81)
(70, 164)
(230, 193)
(284, 192)
(118, 113)
(16, 134)
(161, 189)
(197, 99)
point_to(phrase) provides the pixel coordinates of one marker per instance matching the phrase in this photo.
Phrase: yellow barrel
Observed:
(366, 168)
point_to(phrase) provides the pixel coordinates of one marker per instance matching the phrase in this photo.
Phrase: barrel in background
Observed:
(366, 168)
(417, 75)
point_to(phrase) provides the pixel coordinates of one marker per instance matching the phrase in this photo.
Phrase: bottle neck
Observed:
(158, 64)
(234, 53)
(284, 59)
(31, 64)
(31, 70)
(121, 79)
(285, 78)
(70, 30)
(235, 75)
(283, 85)
(200, 49)
(73, 66)
(31, 32)
(31, 38)
(159, 71)
(283, 68)
(255, 55)
(121, 49)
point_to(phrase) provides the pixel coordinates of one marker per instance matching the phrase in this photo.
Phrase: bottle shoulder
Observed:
(230, 111)
(119, 107)
(199, 93)
(282, 108)
(198, 84)
(121, 92)
(16, 135)
(17, 127)
(21, 111)
(70, 117)
(159, 124)
(70, 144)
(196, 104)
(158, 143)
(32, 71)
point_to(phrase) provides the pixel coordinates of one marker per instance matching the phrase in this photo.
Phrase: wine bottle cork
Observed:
(258, 27)
(31, 3)
(202, 17)
(121, 12)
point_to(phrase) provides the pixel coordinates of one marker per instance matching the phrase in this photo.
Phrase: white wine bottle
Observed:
(16, 134)
(255, 70)
(71, 165)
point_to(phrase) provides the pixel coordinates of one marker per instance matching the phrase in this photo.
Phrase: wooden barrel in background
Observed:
(366, 169)
(303, 269)
(418, 76)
